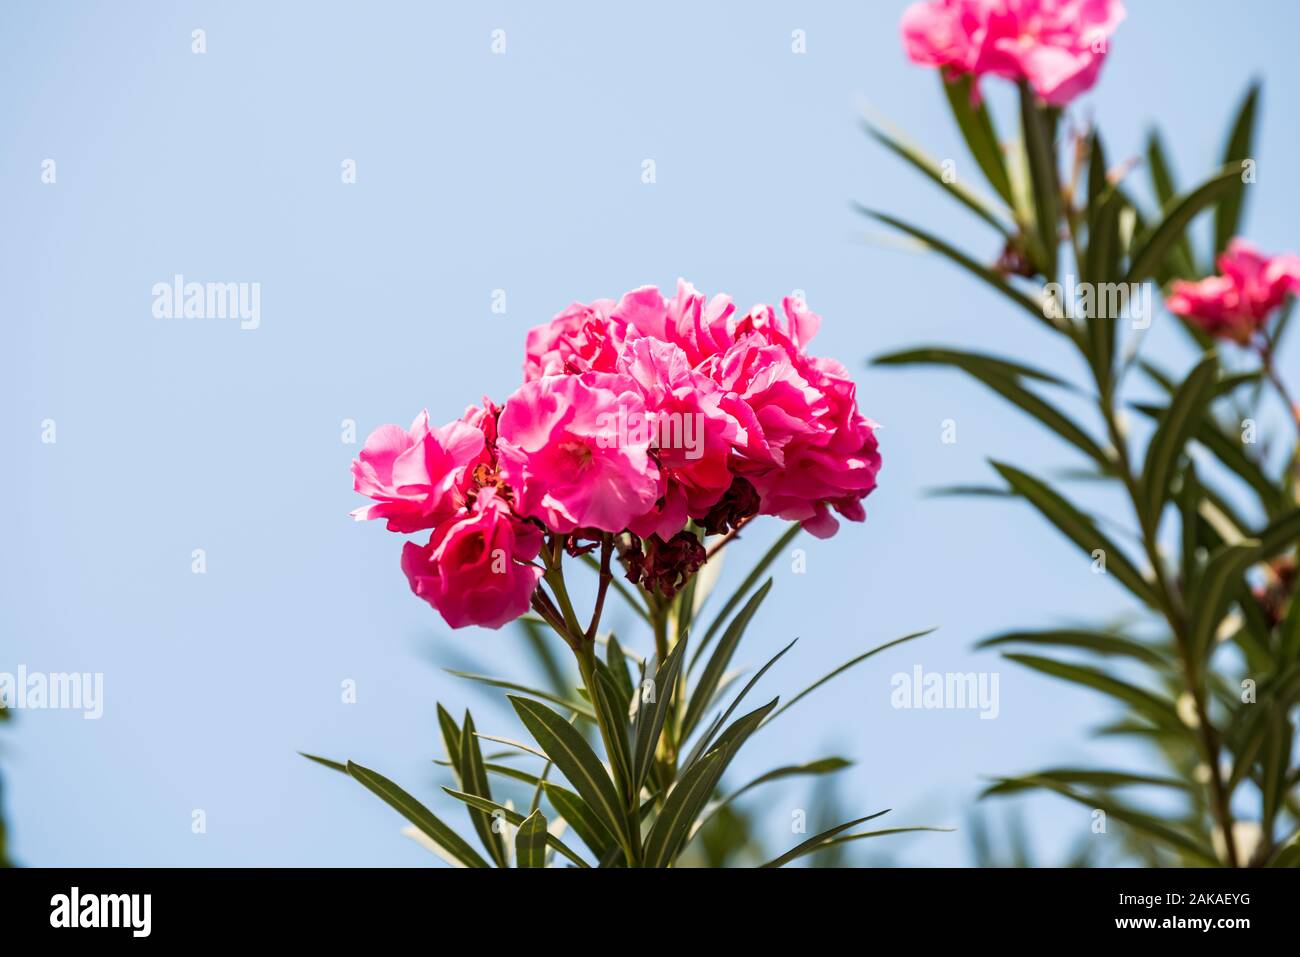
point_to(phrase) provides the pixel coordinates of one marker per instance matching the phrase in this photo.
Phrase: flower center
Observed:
(578, 453)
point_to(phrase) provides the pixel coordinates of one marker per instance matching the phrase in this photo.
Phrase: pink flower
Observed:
(701, 328)
(560, 448)
(691, 434)
(1058, 46)
(475, 569)
(417, 477)
(580, 339)
(814, 451)
(1236, 304)
(833, 466)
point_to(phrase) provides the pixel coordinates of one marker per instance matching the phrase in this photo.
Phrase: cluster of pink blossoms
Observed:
(1237, 303)
(634, 417)
(1057, 46)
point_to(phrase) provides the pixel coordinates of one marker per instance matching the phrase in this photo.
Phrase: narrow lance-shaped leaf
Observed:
(980, 271)
(1098, 642)
(1086, 776)
(1218, 587)
(976, 127)
(1140, 822)
(690, 795)
(931, 168)
(706, 739)
(450, 739)
(852, 662)
(1156, 710)
(474, 780)
(1176, 426)
(612, 707)
(651, 713)
(755, 575)
(577, 762)
(419, 815)
(590, 828)
(1001, 376)
(1080, 529)
(1181, 259)
(814, 842)
(702, 695)
(581, 708)
(530, 841)
(1039, 149)
(515, 819)
(326, 762)
(616, 662)
(1153, 250)
(1236, 153)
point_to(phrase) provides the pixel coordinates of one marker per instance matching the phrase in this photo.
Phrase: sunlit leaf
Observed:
(419, 815)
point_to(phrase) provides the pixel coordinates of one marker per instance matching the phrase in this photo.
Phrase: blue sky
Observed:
(478, 172)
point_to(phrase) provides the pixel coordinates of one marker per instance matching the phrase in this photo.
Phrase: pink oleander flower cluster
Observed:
(1057, 46)
(1237, 303)
(634, 418)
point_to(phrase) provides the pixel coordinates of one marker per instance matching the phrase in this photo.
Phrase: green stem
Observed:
(1207, 735)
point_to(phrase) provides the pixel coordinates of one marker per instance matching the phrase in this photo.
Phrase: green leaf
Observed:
(1176, 426)
(1156, 710)
(1140, 822)
(886, 832)
(929, 166)
(1218, 588)
(530, 841)
(1099, 642)
(1228, 450)
(1080, 529)
(707, 738)
(749, 582)
(817, 840)
(845, 667)
(1001, 376)
(684, 802)
(515, 819)
(612, 707)
(616, 662)
(1039, 149)
(577, 762)
(1085, 776)
(580, 707)
(450, 739)
(1155, 246)
(332, 765)
(977, 129)
(590, 828)
(675, 824)
(1238, 149)
(1101, 263)
(990, 276)
(811, 768)
(1282, 533)
(702, 696)
(517, 745)
(1162, 184)
(978, 364)
(419, 815)
(501, 770)
(474, 780)
(650, 715)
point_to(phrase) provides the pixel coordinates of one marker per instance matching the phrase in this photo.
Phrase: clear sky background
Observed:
(478, 172)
